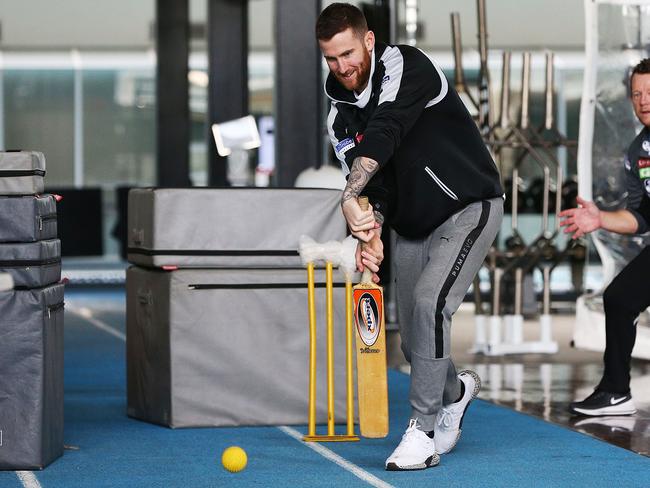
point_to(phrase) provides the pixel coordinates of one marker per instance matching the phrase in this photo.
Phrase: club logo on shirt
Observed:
(386, 79)
(344, 146)
(646, 146)
(644, 163)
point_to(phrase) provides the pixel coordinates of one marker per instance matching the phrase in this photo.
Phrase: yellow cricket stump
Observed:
(331, 435)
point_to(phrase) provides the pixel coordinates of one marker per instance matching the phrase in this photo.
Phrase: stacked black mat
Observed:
(31, 317)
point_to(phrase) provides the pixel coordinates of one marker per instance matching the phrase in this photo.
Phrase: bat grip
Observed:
(366, 277)
(363, 203)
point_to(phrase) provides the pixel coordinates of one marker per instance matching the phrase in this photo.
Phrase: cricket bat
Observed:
(372, 386)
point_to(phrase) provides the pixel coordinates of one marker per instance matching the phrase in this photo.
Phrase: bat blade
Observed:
(372, 386)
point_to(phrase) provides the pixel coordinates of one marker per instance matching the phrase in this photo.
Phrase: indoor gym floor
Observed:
(543, 446)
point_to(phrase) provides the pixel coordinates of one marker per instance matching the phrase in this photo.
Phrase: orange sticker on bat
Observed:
(367, 316)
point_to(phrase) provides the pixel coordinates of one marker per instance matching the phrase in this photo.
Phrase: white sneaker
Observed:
(449, 421)
(415, 451)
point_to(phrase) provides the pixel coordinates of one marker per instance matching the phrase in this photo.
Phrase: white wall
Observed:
(37, 24)
(554, 24)
(75, 23)
(511, 23)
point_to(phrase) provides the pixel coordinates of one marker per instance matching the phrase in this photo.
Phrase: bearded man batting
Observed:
(406, 141)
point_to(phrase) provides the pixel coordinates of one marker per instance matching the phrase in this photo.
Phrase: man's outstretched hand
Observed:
(581, 220)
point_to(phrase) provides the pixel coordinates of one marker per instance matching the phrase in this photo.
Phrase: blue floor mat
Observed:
(499, 447)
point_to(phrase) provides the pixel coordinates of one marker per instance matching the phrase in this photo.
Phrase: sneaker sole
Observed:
(453, 444)
(475, 391)
(430, 462)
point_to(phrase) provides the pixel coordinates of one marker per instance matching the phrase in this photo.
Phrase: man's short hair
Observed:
(338, 17)
(643, 68)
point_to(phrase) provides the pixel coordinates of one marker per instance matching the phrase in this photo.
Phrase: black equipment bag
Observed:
(21, 172)
(31, 383)
(32, 264)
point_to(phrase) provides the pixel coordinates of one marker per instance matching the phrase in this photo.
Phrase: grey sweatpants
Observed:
(433, 276)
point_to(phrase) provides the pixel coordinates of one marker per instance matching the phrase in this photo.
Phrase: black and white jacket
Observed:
(637, 179)
(433, 161)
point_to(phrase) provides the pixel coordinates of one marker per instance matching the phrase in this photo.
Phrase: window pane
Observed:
(119, 127)
(39, 116)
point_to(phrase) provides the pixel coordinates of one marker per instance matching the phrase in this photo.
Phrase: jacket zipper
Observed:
(439, 182)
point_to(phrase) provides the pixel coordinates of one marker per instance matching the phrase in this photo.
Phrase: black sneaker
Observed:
(604, 403)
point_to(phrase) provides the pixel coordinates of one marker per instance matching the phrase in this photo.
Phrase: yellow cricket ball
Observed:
(234, 459)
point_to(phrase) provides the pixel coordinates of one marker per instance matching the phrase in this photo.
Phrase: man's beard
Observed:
(363, 75)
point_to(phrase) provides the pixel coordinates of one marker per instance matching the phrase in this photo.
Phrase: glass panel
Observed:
(622, 36)
(261, 73)
(260, 85)
(119, 127)
(198, 96)
(39, 116)
(261, 59)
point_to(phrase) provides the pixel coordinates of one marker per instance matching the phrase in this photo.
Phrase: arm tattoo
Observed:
(379, 218)
(362, 170)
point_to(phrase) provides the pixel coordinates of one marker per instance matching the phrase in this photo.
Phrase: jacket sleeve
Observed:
(376, 190)
(410, 84)
(341, 143)
(642, 215)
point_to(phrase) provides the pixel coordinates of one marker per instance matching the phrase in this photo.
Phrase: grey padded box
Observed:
(27, 218)
(232, 227)
(32, 264)
(21, 172)
(222, 347)
(31, 383)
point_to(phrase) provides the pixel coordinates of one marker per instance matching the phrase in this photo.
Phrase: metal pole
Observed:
(504, 118)
(525, 92)
(78, 117)
(2, 100)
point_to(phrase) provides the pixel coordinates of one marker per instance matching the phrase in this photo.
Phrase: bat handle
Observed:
(366, 277)
(363, 203)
